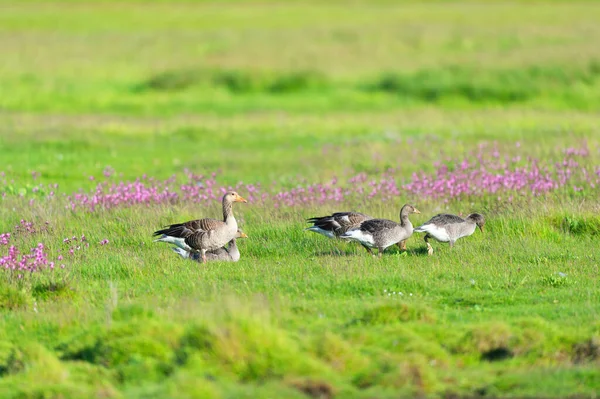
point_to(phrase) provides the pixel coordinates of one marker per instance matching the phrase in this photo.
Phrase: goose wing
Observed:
(377, 225)
(186, 229)
(337, 223)
(441, 220)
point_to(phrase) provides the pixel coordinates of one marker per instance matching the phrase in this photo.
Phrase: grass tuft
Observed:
(401, 312)
(235, 81)
(487, 339)
(578, 225)
(13, 297)
(170, 81)
(316, 389)
(132, 312)
(135, 350)
(253, 350)
(11, 359)
(587, 351)
(53, 291)
(555, 280)
(485, 86)
(340, 354)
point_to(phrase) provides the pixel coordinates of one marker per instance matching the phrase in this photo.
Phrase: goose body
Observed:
(231, 253)
(204, 235)
(382, 233)
(336, 224)
(449, 228)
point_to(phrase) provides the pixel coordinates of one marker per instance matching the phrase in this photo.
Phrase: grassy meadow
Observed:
(117, 118)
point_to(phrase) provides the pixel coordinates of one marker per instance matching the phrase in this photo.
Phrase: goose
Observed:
(204, 235)
(336, 224)
(449, 228)
(382, 233)
(231, 253)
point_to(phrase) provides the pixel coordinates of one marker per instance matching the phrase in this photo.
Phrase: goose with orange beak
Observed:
(204, 235)
(382, 233)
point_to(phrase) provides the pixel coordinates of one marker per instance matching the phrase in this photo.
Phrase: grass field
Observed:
(117, 118)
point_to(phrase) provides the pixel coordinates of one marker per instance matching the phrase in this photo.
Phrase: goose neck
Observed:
(233, 250)
(227, 210)
(404, 220)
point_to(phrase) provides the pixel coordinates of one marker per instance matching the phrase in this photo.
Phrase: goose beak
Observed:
(481, 228)
(415, 210)
(239, 198)
(243, 235)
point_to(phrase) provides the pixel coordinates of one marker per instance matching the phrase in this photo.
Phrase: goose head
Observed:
(478, 219)
(240, 234)
(407, 209)
(232, 196)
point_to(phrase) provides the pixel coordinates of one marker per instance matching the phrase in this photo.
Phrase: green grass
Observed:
(285, 94)
(164, 59)
(270, 147)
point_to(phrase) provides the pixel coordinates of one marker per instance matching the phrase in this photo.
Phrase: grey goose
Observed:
(231, 253)
(449, 228)
(383, 233)
(336, 224)
(204, 235)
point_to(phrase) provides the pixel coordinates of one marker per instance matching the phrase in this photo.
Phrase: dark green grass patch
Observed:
(13, 297)
(53, 291)
(500, 86)
(394, 313)
(236, 81)
(578, 225)
(487, 86)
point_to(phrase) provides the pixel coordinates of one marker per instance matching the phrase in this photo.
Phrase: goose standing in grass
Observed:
(333, 226)
(336, 224)
(382, 233)
(204, 235)
(449, 228)
(231, 253)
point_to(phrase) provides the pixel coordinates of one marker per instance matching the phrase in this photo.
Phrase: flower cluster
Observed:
(485, 171)
(141, 191)
(482, 173)
(28, 228)
(19, 263)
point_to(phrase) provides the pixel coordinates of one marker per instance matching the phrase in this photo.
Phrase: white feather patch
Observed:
(319, 230)
(360, 236)
(180, 242)
(181, 252)
(436, 232)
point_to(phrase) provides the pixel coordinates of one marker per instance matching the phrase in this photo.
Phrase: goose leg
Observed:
(451, 244)
(380, 251)
(429, 247)
(204, 256)
(402, 245)
(368, 249)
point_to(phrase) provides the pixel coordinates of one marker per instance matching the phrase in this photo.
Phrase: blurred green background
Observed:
(239, 87)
